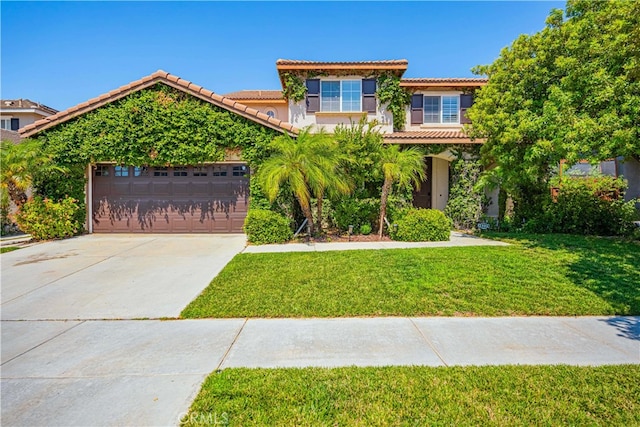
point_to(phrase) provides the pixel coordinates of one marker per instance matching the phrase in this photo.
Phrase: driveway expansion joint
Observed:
(429, 343)
(226, 353)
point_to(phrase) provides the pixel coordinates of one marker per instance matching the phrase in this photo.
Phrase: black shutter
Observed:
(313, 95)
(466, 101)
(15, 124)
(369, 95)
(417, 115)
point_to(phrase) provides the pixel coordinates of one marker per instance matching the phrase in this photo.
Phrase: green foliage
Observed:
(356, 212)
(294, 88)
(58, 185)
(422, 225)
(590, 206)
(466, 200)
(365, 229)
(264, 226)
(396, 97)
(361, 145)
(570, 91)
(45, 219)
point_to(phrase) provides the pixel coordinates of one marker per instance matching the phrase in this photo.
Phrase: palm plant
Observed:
(403, 167)
(19, 163)
(308, 164)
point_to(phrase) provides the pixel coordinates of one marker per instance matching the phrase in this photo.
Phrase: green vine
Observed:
(294, 87)
(396, 97)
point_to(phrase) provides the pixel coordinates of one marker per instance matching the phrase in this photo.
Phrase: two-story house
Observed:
(17, 113)
(211, 197)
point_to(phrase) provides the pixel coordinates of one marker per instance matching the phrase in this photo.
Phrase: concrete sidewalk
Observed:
(457, 239)
(147, 372)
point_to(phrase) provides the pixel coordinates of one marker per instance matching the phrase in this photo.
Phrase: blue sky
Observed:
(63, 53)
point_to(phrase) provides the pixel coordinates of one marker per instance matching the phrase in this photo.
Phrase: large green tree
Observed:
(570, 91)
(401, 167)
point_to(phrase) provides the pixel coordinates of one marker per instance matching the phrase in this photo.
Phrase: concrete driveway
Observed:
(112, 276)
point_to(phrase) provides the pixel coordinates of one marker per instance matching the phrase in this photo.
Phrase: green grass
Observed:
(537, 275)
(420, 396)
(8, 249)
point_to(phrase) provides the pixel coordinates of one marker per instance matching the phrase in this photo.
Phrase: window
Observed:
(200, 171)
(121, 171)
(239, 170)
(181, 171)
(219, 171)
(102, 170)
(141, 171)
(441, 109)
(341, 95)
(160, 172)
(5, 124)
(271, 113)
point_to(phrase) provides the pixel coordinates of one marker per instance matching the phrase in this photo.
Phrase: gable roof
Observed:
(9, 135)
(25, 104)
(148, 81)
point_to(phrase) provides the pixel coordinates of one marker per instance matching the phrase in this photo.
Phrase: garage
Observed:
(210, 198)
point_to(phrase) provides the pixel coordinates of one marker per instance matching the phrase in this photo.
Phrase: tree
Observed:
(20, 163)
(403, 167)
(307, 164)
(570, 91)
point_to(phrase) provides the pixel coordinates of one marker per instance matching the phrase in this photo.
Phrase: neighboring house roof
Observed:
(442, 82)
(430, 137)
(10, 135)
(148, 81)
(24, 105)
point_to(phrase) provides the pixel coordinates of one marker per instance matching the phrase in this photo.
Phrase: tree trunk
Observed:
(306, 210)
(386, 189)
(320, 196)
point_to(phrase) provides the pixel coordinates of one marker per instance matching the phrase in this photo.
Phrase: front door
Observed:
(422, 197)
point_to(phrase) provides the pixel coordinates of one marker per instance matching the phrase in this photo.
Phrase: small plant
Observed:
(355, 212)
(365, 229)
(263, 226)
(422, 225)
(45, 219)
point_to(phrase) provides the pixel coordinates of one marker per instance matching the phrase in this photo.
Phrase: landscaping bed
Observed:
(556, 275)
(492, 395)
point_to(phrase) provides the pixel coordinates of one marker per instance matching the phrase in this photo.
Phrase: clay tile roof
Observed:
(430, 137)
(443, 81)
(145, 82)
(255, 95)
(25, 104)
(344, 64)
(9, 135)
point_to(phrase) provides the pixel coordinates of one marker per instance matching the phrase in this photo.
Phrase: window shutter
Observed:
(417, 114)
(15, 124)
(369, 95)
(466, 101)
(313, 95)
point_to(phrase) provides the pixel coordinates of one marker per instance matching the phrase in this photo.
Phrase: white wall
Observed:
(440, 186)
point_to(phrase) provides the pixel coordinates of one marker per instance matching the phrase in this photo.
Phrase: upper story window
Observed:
(341, 95)
(441, 109)
(349, 95)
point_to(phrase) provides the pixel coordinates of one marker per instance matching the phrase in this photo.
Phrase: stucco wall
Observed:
(281, 110)
(299, 117)
(25, 118)
(493, 208)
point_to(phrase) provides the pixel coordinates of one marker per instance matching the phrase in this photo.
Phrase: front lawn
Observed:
(537, 275)
(420, 396)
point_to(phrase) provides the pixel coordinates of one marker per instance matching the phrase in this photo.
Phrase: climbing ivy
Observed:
(395, 96)
(294, 87)
(157, 126)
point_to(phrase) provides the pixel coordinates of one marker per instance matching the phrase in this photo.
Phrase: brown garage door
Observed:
(207, 199)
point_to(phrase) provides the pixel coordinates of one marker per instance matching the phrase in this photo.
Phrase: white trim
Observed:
(340, 102)
(89, 198)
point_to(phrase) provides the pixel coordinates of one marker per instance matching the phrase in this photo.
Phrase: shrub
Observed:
(590, 206)
(45, 219)
(422, 225)
(263, 226)
(365, 229)
(356, 212)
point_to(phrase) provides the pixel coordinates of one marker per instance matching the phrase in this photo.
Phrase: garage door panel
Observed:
(168, 203)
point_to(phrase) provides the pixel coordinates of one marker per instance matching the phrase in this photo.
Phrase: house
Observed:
(16, 113)
(212, 196)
